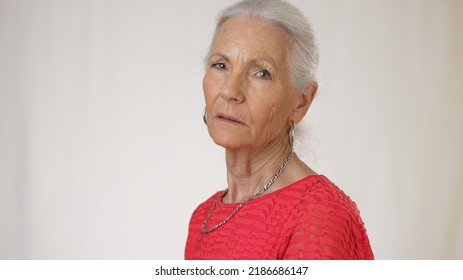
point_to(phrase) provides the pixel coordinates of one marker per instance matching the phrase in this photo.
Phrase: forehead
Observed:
(251, 36)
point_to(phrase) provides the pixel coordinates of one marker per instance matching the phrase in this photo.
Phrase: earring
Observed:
(205, 116)
(291, 134)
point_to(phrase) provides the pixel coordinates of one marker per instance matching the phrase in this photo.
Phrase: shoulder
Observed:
(205, 206)
(327, 224)
(198, 215)
(329, 204)
(319, 191)
(210, 200)
(324, 205)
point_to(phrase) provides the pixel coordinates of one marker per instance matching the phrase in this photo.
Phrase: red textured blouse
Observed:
(309, 219)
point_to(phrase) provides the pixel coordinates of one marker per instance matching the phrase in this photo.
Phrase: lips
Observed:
(228, 118)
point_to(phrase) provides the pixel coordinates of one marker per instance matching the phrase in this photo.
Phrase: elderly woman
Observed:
(259, 84)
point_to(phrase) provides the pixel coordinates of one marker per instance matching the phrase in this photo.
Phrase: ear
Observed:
(303, 100)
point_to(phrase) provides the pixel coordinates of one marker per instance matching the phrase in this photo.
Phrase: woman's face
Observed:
(247, 86)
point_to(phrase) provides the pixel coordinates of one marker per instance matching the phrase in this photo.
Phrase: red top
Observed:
(309, 219)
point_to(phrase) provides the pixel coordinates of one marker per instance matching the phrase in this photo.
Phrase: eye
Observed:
(264, 74)
(219, 66)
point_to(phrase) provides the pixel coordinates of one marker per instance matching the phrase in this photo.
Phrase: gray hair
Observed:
(303, 51)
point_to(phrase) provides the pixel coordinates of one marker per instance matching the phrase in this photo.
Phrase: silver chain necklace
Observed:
(266, 187)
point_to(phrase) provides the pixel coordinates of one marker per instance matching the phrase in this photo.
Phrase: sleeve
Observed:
(327, 231)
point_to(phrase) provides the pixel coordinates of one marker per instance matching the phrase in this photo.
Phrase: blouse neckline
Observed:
(270, 195)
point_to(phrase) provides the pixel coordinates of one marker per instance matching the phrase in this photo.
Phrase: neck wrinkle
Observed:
(249, 170)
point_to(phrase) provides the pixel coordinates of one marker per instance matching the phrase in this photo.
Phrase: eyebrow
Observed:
(220, 54)
(252, 60)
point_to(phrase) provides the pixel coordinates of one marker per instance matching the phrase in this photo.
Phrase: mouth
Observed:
(229, 119)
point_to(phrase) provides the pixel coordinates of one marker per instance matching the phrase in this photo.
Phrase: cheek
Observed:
(208, 87)
(264, 114)
(271, 115)
(266, 109)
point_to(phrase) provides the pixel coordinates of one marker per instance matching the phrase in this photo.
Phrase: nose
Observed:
(232, 88)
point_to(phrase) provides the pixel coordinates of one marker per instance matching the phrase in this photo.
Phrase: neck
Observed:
(248, 170)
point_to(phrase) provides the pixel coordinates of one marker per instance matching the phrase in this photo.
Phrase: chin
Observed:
(228, 141)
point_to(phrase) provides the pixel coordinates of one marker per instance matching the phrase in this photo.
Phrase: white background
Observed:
(103, 153)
